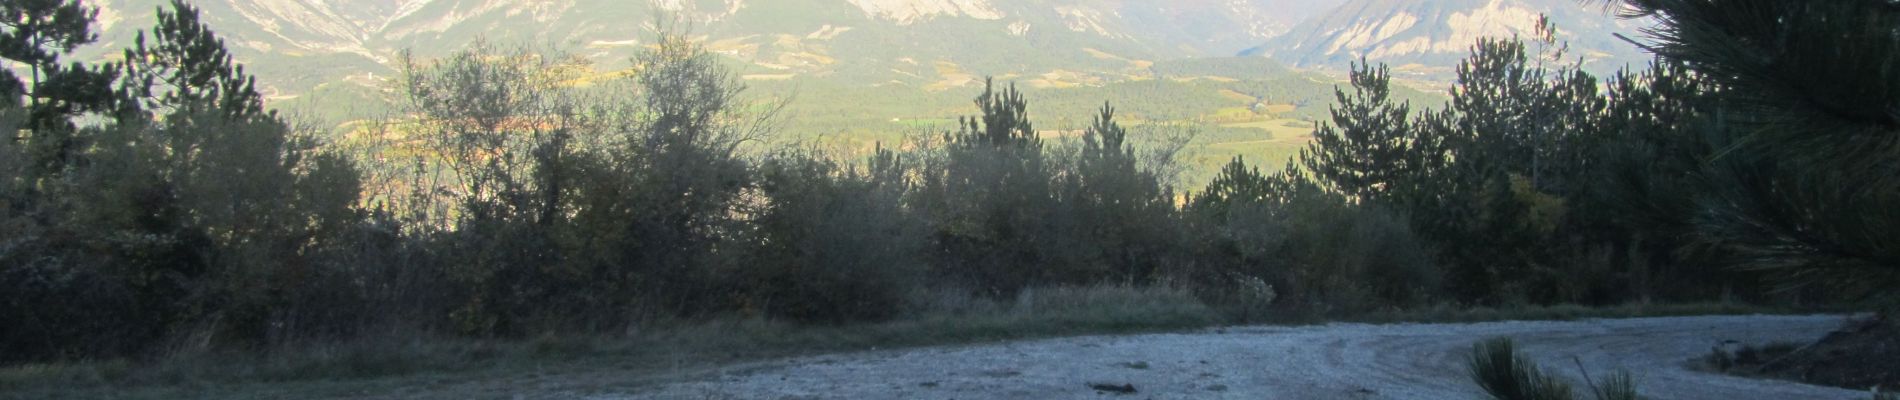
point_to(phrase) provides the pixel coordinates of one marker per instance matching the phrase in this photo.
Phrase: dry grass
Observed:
(423, 366)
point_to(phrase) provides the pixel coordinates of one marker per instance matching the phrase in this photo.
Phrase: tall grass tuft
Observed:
(1503, 373)
(1618, 386)
(1506, 375)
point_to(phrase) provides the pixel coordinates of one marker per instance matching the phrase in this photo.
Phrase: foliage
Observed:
(1370, 154)
(833, 244)
(190, 64)
(1534, 184)
(570, 213)
(1505, 374)
(35, 34)
(1803, 185)
(200, 223)
(1120, 211)
(1322, 253)
(1497, 367)
(988, 198)
(510, 201)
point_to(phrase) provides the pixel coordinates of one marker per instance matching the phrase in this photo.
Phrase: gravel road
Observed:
(1336, 361)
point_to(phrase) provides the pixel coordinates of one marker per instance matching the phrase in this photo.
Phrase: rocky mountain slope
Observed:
(1427, 38)
(297, 45)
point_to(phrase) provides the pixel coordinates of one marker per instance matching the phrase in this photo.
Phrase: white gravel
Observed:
(1336, 361)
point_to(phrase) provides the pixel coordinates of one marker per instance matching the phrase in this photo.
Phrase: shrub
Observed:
(988, 197)
(831, 244)
(1320, 253)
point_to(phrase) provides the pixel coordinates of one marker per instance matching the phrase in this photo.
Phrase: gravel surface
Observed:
(1336, 361)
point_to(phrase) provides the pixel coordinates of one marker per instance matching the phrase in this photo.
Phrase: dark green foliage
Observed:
(1802, 176)
(39, 29)
(186, 69)
(1370, 151)
(1120, 215)
(1644, 191)
(1319, 252)
(198, 224)
(989, 198)
(35, 34)
(1498, 202)
(1546, 185)
(1239, 184)
(833, 244)
(1532, 184)
(1008, 214)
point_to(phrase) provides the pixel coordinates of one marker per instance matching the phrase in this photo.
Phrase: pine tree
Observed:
(1491, 208)
(1238, 184)
(36, 33)
(1807, 180)
(1004, 123)
(1370, 151)
(186, 69)
(1234, 182)
(1121, 209)
(991, 198)
(1103, 150)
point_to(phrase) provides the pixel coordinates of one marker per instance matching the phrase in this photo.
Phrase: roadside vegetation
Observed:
(1796, 180)
(163, 228)
(1506, 375)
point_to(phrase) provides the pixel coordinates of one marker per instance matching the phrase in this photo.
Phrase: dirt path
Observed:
(1338, 361)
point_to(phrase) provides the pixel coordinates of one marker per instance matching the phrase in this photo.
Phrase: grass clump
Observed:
(1505, 374)
(1497, 367)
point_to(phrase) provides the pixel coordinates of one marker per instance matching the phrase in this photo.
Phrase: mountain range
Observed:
(1251, 76)
(298, 46)
(1428, 38)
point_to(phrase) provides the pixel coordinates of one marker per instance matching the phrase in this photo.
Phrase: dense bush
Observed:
(832, 244)
(1318, 252)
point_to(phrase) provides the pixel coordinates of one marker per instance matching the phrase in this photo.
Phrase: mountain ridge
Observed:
(296, 45)
(1426, 39)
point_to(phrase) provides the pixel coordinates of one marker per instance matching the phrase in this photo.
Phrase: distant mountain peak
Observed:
(906, 12)
(1428, 38)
